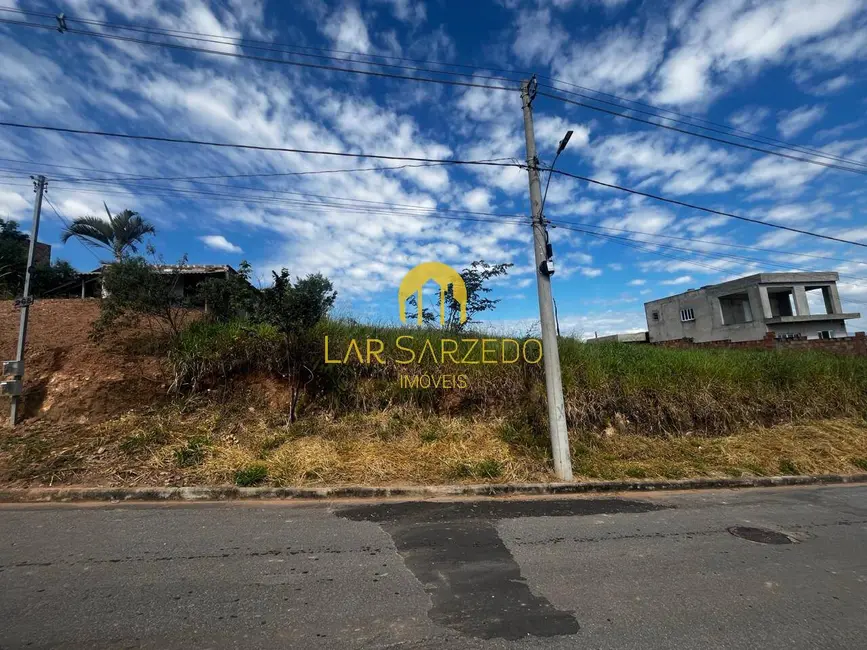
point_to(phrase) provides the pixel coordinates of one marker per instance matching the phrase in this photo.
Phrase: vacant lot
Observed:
(101, 412)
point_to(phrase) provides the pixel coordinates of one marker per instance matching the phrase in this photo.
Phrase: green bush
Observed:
(193, 452)
(251, 475)
(208, 353)
(650, 389)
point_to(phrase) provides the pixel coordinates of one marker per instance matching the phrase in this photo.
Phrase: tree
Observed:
(120, 234)
(48, 278)
(136, 289)
(13, 266)
(295, 309)
(475, 276)
(13, 258)
(230, 298)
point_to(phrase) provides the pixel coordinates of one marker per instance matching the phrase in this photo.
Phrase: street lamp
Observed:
(548, 265)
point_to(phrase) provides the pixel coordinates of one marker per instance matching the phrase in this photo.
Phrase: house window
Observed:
(687, 315)
(826, 334)
(654, 315)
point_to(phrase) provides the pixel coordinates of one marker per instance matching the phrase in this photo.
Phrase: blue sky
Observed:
(786, 69)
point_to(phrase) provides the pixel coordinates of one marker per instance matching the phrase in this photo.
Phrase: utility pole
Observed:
(544, 268)
(16, 368)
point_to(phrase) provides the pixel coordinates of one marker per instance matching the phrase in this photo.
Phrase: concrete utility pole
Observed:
(544, 268)
(16, 367)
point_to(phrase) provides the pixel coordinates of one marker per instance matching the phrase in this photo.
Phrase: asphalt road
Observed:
(660, 571)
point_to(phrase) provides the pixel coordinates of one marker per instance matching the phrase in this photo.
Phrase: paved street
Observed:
(643, 571)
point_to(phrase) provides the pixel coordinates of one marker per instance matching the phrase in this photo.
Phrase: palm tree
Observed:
(121, 233)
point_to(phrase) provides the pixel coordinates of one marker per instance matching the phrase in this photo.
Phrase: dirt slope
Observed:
(70, 377)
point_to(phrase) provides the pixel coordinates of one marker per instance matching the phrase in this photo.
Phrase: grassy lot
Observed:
(633, 411)
(246, 442)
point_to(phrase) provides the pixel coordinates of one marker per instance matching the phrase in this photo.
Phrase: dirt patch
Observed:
(71, 378)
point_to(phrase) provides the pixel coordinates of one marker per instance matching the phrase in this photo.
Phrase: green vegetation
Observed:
(622, 387)
(251, 475)
(475, 277)
(193, 452)
(46, 279)
(120, 233)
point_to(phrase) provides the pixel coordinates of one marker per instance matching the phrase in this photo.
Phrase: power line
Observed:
(622, 241)
(154, 138)
(137, 177)
(301, 64)
(69, 228)
(711, 254)
(276, 47)
(752, 137)
(774, 251)
(307, 207)
(692, 206)
(703, 135)
(352, 200)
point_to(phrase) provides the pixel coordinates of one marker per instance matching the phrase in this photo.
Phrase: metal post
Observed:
(26, 300)
(553, 380)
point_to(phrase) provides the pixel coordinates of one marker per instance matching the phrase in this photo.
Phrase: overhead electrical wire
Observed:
(750, 137)
(703, 135)
(623, 241)
(693, 206)
(712, 254)
(253, 44)
(66, 223)
(301, 205)
(254, 147)
(656, 197)
(775, 251)
(137, 177)
(301, 64)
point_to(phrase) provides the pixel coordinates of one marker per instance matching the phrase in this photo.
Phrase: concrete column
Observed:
(765, 303)
(833, 297)
(802, 307)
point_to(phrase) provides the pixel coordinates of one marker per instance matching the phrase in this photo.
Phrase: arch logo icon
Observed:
(444, 275)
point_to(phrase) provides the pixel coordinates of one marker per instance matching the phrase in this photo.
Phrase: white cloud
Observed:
(791, 123)
(646, 220)
(549, 131)
(413, 12)
(637, 282)
(220, 243)
(724, 41)
(590, 272)
(617, 59)
(538, 39)
(833, 85)
(347, 30)
(679, 166)
(683, 279)
(749, 118)
(478, 200)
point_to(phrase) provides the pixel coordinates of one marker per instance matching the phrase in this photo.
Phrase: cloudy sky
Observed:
(788, 70)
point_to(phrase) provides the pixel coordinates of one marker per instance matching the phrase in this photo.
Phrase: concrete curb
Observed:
(224, 493)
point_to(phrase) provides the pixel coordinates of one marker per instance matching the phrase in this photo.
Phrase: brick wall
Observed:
(853, 345)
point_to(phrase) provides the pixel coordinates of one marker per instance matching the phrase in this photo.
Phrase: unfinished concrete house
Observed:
(791, 305)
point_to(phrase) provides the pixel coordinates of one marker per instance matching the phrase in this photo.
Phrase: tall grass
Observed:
(642, 389)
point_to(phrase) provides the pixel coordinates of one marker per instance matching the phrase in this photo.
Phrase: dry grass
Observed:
(220, 443)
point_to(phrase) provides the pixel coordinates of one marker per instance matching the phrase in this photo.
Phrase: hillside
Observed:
(70, 378)
(102, 412)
